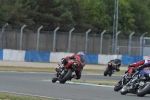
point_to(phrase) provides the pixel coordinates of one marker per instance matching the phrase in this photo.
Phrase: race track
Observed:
(39, 84)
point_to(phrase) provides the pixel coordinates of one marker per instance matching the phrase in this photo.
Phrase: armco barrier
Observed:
(33, 56)
(126, 60)
(104, 59)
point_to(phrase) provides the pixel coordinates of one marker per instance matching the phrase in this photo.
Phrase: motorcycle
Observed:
(144, 85)
(112, 67)
(125, 79)
(64, 72)
(139, 84)
(122, 82)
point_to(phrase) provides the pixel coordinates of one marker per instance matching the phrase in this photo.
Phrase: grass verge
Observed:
(10, 96)
(31, 69)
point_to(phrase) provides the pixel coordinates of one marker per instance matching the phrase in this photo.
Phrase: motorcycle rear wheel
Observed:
(142, 91)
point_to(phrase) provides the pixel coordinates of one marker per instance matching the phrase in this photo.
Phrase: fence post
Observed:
(101, 42)
(129, 46)
(86, 41)
(54, 39)
(69, 40)
(141, 43)
(116, 43)
(3, 34)
(38, 37)
(21, 32)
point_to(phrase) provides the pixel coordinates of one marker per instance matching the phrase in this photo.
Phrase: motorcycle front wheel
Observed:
(54, 80)
(66, 76)
(124, 90)
(106, 71)
(117, 87)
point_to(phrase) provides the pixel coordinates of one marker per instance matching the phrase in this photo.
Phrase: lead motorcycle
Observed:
(112, 66)
(139, 84)
(64, 72)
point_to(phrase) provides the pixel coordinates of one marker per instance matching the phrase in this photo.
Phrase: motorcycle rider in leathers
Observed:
(115, 63)
(80, 57)
(133, 67)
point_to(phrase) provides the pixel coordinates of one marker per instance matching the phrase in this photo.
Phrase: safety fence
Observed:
(90, 43)
(34, 56)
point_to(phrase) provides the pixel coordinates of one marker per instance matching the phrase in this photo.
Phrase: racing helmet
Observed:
(80, 53)
(148, 58)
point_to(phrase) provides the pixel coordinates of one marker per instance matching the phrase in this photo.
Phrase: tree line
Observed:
(97, 15)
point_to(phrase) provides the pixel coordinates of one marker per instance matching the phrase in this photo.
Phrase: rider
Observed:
(115, 63)
(80, 57)
(133, 67)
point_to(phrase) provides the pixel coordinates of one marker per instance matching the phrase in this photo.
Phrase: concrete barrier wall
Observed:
(13, 55)
(103, 59)
(34, 56)
(57, 56)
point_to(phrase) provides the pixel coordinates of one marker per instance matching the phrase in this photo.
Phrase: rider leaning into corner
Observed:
(80, 57)
(115, 63)
(133, 67)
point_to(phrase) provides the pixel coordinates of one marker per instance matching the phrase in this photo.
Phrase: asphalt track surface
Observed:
(39, 84)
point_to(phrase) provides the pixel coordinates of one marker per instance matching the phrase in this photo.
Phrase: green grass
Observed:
(31, 69)
(10, 96)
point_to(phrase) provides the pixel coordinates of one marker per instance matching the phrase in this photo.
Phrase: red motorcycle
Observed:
(64, 72)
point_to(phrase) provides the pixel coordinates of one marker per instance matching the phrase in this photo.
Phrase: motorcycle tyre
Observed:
(54, 80)
(117, 88)
(110, 73)
(141, 92)
(66, 77)
(106, 71)
(124, 92)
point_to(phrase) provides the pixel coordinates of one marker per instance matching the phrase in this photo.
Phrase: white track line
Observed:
(83, 84)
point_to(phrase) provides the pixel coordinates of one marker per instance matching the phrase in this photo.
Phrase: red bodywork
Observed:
(70, 62)
(130, 70)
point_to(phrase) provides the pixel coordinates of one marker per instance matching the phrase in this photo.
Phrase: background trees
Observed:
(80, 14)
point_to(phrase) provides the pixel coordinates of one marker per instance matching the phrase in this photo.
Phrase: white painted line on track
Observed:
(82, 84)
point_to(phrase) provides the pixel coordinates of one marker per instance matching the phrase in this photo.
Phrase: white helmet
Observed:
(148, 58)
(81, 53)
